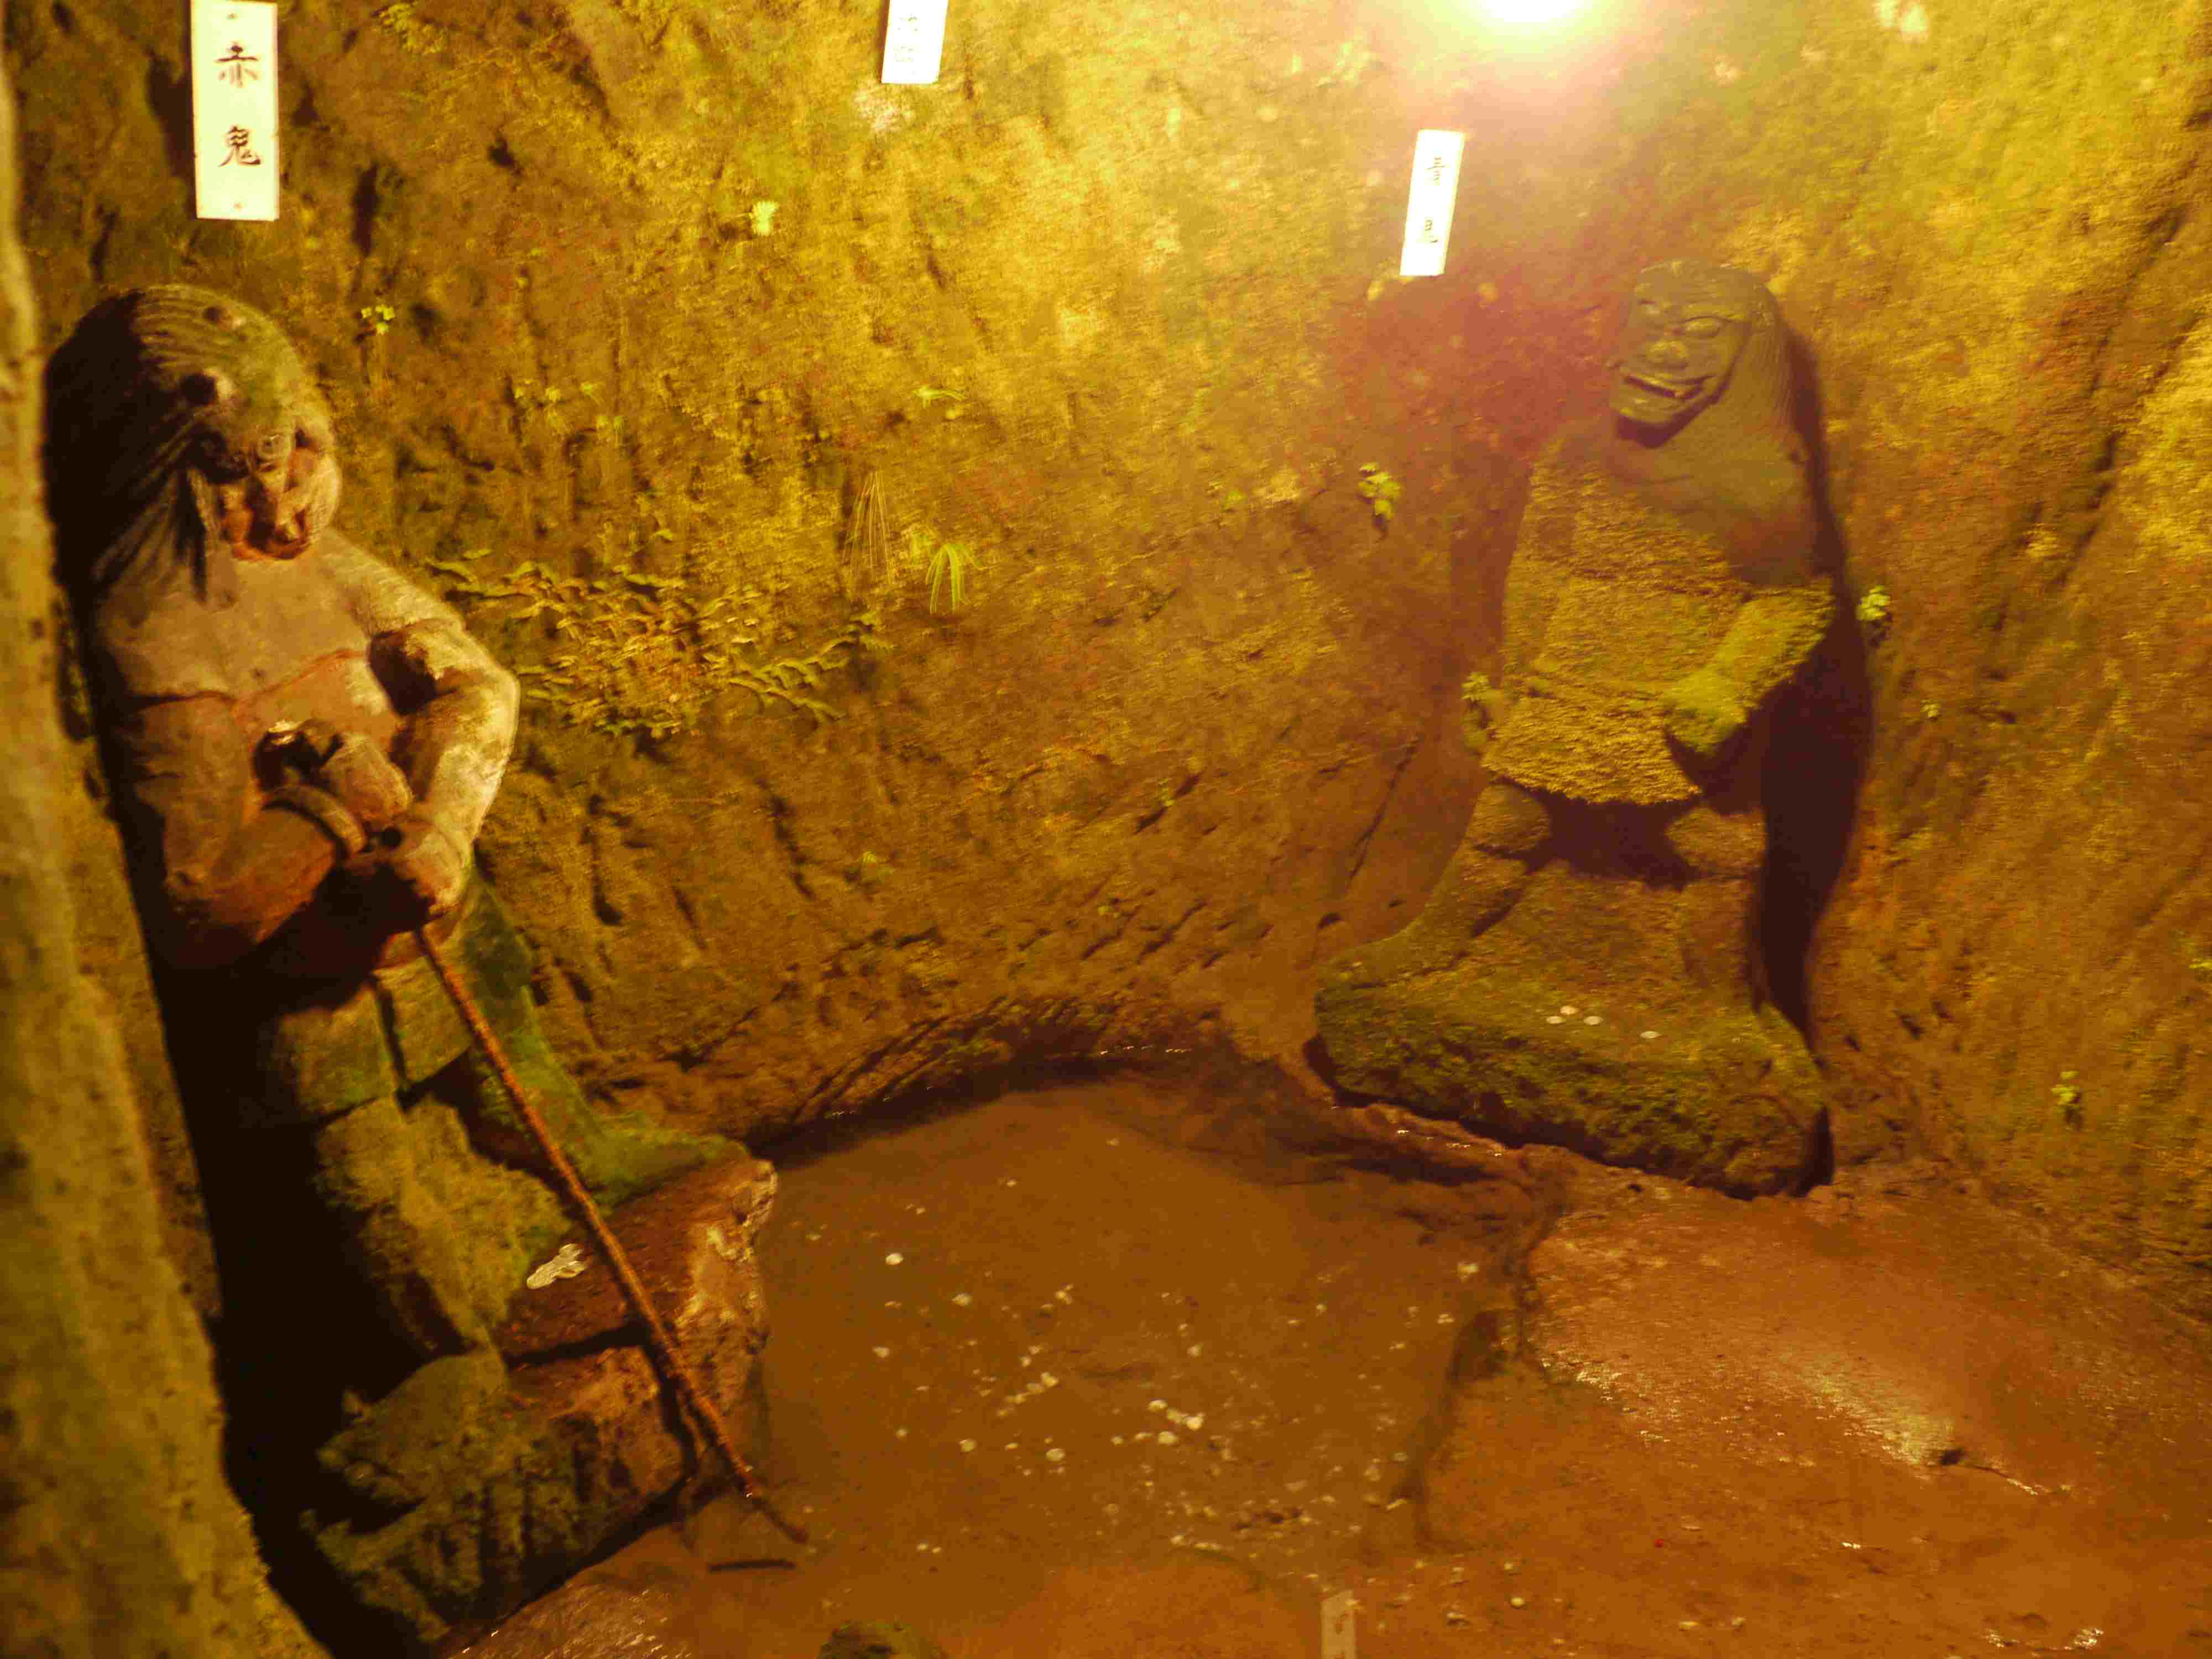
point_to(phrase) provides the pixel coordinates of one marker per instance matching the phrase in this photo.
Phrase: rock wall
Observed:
(1992, 225)
(117, 1536)
(695, 363)
(680, 350)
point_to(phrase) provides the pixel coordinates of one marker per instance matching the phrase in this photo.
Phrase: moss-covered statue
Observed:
(302, 745)
(1588, 971)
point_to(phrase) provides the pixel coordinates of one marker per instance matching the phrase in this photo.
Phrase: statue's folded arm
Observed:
(217, 871)
(1776, 629)
(457, 705)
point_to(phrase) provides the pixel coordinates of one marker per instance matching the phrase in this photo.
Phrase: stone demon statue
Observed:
(1588, 971)
(302, 745)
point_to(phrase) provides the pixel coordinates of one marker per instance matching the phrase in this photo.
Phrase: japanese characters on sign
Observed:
(234, 108)
(1428, 204)
(914, 42)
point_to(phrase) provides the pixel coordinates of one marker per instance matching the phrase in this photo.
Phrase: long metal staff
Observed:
(662, 1343)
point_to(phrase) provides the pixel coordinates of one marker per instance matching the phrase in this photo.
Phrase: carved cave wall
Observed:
(670, 298)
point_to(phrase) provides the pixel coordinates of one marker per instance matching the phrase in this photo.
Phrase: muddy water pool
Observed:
(1127, 1369)
(1096, 1336)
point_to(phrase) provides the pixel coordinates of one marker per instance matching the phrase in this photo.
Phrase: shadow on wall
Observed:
(1818, 756)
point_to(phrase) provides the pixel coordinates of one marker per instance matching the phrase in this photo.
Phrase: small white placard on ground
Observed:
(234, 108)
(1337, 1641)
(1428, 204)
(914, 42)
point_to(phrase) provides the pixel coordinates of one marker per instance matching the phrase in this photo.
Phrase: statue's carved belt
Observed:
(1589, 743)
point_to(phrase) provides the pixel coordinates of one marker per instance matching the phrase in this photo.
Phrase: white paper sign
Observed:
(1336, 1637)
(914, 42)
(1428, 204)
(234, 108)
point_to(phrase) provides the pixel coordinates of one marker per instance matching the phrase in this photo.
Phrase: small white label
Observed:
(1336, 1638)
(234, 108)
(1428, 204)
(914, 42)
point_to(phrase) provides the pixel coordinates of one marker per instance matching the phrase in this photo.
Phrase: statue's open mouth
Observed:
(1679, 390)
(258, 540)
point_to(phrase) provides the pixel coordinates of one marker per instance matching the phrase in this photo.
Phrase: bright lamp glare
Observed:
(1528, 11)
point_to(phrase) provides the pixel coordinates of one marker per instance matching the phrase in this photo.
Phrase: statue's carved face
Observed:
(264, 470)
(1679, 344)
(267, 483)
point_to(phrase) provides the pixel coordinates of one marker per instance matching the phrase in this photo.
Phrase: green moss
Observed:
(616, 1156)
(488, 1499)
(1724, 1098)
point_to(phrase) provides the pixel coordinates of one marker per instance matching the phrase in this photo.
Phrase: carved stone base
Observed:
(482, 1478)
(1538, 1033)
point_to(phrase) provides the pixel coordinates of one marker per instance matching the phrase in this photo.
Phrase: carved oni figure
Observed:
(1662, 591)
(302, 745)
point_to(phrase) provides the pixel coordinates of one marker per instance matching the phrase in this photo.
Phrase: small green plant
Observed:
(937, 394)
(950, 566)
(533, 402)
(2066, 1094)
(647, 655)
(413, 35)
(607, 425)
(1380, 490)
(867, 544)
(762, 218)
(2199, 959)
(1872, 609)
(376, 321)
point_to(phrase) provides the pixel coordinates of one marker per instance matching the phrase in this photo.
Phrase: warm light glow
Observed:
(1528, 11)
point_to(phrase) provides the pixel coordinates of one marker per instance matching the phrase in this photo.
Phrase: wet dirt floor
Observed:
(1102, 1370)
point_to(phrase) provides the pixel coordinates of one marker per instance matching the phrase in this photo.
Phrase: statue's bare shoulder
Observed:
(381, 598)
